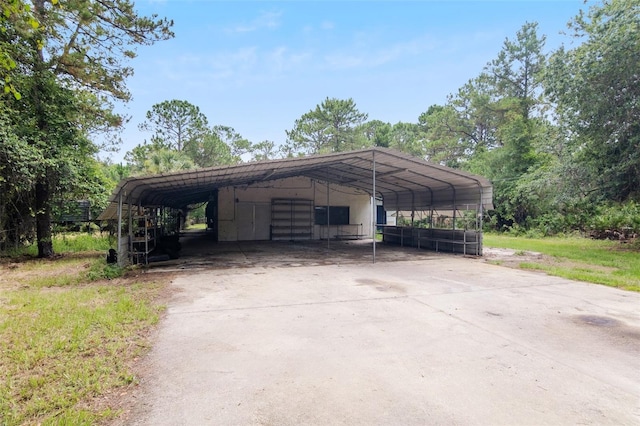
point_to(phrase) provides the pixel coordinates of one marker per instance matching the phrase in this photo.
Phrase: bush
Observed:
(613, 221)
(616, 221)
(101, 271)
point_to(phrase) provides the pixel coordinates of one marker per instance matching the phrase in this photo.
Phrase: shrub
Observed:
(616, 221)
(102, 271)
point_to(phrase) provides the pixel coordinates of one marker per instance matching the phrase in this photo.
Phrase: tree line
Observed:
(558, 133)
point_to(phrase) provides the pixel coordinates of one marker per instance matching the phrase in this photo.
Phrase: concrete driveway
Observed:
(443, 340)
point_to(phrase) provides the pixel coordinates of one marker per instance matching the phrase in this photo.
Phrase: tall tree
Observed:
(238, 145)
(406, 137)
(265, 150)
(596, 87)
(180, 126)
(330, 127)
(476, 118)
(175, 124)
(441, 143)
(375, 133)
(516, 72)
(76, 53)
(210, 151)
(496, 121)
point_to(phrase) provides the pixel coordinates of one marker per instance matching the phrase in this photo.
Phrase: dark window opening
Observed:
(338, 215)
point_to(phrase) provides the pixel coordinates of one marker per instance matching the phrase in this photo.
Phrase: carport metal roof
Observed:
(403, 182)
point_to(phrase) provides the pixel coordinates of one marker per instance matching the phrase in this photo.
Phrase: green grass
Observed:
(596, 261)
(201, 226)
(69, 242)
(66, 342)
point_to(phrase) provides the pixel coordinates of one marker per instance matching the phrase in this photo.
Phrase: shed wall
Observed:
(244, 212)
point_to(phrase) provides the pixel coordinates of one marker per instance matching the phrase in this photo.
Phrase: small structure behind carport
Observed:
(315, 197)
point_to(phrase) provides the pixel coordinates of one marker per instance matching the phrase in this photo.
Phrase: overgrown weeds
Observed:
(67, 242)
(617, 221)
(102, 271)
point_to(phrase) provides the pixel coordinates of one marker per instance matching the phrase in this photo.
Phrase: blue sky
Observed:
(257, 66)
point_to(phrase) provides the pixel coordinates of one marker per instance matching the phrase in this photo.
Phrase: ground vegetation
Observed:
(555, 131)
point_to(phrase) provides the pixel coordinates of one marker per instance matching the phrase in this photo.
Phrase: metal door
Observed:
(245, 221)
(253, 221)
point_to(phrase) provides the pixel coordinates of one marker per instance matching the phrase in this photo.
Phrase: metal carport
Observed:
(401, 181)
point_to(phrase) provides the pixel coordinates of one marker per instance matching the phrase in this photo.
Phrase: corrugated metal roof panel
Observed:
(403, 182)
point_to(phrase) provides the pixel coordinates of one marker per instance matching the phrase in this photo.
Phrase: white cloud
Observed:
(338, 61)
(266, 20)
(363, 54)
(327, 25)
(234, 68)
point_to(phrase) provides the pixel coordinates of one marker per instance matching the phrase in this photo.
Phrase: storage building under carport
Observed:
(250, 198)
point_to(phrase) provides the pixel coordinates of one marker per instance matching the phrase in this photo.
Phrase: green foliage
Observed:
(67, 242)
(99, 270)
(175, 125)
(622, 219)
(211, 151)
(16, 18)
(265, 150)
(182, 140)
(441, 144)
(81, 242)
(516, 72)
(163, 160)
(68, 60)
(197, 214)
(20, 164)
(375, 133)
(232, 140)
(330, 127)
(596, 87)
(69, 33)
(610, 221)
(405, 137)
(494, 125)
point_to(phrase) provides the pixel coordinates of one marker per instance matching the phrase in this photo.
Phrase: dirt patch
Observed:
(19, 272)
(516, 258)
(513, 258)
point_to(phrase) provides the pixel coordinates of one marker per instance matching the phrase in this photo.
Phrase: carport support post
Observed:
(431, 217)
(455, 207)
(328, 220)
(120, 257)
(374, 209)
(479, 232)
(130, 245)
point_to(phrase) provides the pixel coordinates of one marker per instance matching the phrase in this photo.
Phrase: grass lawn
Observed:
(201, 226)
(69, 336)
(597, 261)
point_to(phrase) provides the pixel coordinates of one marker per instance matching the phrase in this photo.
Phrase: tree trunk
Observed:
(43, 219)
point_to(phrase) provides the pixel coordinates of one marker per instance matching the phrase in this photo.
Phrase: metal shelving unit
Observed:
(291, 219)
(144, 237)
